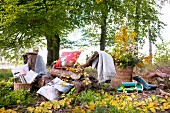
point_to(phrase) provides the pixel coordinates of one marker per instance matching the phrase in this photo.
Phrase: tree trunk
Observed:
(49, 51)
(137, 18)
(150, 44)
(53, 48)
(103, 33)
(150, 50)
(56, 47)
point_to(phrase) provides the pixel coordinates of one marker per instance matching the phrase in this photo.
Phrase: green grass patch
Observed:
(10, 98)
(5, 74)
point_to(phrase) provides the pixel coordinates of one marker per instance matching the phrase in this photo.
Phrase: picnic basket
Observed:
(23, 86)
(123, 75)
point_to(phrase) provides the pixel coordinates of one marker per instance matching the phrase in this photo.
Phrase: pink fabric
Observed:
(70, 56)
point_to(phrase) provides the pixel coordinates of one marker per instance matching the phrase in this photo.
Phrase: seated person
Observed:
(35, 62)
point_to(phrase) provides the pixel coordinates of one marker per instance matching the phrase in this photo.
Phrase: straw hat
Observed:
(35, 52)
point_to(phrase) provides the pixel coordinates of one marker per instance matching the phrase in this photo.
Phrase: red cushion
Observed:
(70, 57)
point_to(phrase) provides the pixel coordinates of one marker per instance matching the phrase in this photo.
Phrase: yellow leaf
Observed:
(56, 106)
(142, 103)
(162, 108)
(49, 111)
(133, 96)
(150, 105)
(63, 75)
(48, 105)
(9, 111)
(129, 98)
(42, 104)
(44, 110)
(2, 109)
(63, 95)
(113, 102)
(98, 1)
(63, 83)
(156, 103)
(18, 101)
(67, 76)
(153, 110)
(30, 109)
(149, 99)
(153, 97)
(166, 105)
(166, 97)
(76, 109)
(162, 100)
(91, 106)
(86, 106)
(62, 103)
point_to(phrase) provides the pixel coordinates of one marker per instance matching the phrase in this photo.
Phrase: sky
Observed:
(166, 19)
(165, 32)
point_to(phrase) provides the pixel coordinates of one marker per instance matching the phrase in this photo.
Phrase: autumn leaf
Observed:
(76, 109)
(63, 83)
(87, 81)
(166, 105)
(56, 104)
(99, 1)
(48, 105)
(150, 105)
(63, 95)
(2, 109)
(133, 96)
(30, 109)
(91, 106)
(152, 110)
(129, 98)
(142, 103)
(38, 109)
(162, 100)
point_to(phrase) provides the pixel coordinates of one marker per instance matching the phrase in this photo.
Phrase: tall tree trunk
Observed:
(49, 51)
(150, 50)
(103, 33)
(150, 44)
(137, 18)
(53, 48)
(56, 47)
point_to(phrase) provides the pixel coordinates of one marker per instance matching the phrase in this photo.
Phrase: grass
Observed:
(10, 98)
(5, 74)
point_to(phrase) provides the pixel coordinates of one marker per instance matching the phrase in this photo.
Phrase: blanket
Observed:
(40, 66)
(105, 66)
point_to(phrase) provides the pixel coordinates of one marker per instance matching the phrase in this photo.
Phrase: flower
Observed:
(125, 51)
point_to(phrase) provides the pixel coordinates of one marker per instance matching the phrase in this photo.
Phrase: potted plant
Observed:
(125, 55)
(125, 51)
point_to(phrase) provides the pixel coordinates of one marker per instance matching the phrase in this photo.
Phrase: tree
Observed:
(35, 19)
(53, 19)
(108, 13)
(100, 14)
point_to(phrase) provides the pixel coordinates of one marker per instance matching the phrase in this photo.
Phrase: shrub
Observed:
(162, 56)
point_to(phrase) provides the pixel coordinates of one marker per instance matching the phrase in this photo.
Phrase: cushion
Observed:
(67, 59)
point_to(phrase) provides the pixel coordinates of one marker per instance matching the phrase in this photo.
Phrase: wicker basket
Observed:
(24, 86)
(123, 75)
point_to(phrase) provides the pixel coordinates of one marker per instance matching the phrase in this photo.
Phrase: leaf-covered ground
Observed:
(101, 100)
